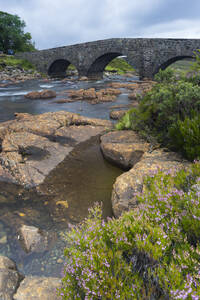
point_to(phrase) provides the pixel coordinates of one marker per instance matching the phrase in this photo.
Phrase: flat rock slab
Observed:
(38, 288)
(9, 278)
(33, 145)
(131, 182)
(123, 148)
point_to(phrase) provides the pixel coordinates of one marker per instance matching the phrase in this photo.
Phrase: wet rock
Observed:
(123, 148)
(33, 145)
(40, 288)
(133, 95)
(9, 278)
(118, 85)
(61, 101)
(45, 94)
(5, 175)
(110, 91)
(33, 95)
(83, 78)
(131, 182)
(33, 239)
(117, 114)
(90, 95)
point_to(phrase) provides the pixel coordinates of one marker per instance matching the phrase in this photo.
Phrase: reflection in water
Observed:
(82, 179)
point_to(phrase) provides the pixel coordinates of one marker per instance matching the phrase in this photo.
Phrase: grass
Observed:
(8, 60)
(120, 66)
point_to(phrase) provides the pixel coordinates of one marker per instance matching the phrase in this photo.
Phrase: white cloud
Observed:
(177, 29)
(62, 22)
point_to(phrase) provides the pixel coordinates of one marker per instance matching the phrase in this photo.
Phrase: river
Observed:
(82, 179)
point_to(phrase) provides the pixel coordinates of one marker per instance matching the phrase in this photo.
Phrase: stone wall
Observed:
(90, 59)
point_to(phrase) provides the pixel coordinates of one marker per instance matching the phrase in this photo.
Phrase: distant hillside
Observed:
(120, 66)
(182, 65)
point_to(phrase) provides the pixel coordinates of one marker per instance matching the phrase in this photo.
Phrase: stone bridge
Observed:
(146, 55)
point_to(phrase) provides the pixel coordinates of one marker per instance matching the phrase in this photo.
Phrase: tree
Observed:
(12, 34)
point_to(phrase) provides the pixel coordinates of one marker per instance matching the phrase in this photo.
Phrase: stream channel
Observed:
(82, 179)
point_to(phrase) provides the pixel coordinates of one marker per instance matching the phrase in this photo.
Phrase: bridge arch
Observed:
(97, 67)
(58, 67)
(170, 61)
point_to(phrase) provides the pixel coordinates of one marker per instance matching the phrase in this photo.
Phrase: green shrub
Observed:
(153, 254)
(160, 109)
(165, 76)
(126, 121)
(186, 136)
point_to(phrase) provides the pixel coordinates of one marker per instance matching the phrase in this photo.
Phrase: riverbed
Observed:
(82, 179)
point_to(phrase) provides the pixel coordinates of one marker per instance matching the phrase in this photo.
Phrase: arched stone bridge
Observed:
(90, 59)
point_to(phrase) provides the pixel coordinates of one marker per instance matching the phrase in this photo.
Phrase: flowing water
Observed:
(82, 179)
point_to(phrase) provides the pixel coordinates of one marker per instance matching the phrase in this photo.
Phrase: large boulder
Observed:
(130, 183)
(123, 148)
(38, 288)
(9, 278)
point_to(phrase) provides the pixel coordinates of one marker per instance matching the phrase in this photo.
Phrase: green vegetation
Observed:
(182, 65)
(153, 254)
(71, 68)
(120, 66)
(8, 60)
(12, 34)
(167, 112)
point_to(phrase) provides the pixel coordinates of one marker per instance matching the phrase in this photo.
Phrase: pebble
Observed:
(3, 240)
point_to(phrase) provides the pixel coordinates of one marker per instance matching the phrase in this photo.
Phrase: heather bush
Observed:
(150, 254)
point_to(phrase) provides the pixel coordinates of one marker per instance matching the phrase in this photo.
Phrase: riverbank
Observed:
(16, 70)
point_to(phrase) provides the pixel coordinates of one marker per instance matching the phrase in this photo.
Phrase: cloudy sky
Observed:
(54, 23)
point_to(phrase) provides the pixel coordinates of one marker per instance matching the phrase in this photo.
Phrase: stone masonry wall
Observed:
(146, 55)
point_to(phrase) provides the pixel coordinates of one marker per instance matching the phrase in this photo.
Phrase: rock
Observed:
(38, 288)
(131, 182)
(61, 101)
(5, 175)
(9, 278)
(110, 91)
(45, 94)
(117, 114)
(129, 74)
(123, 148)
(83, 78)
(130, 86)
(33, 145)
(33, 95)
(34, 239)
(90, 95)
